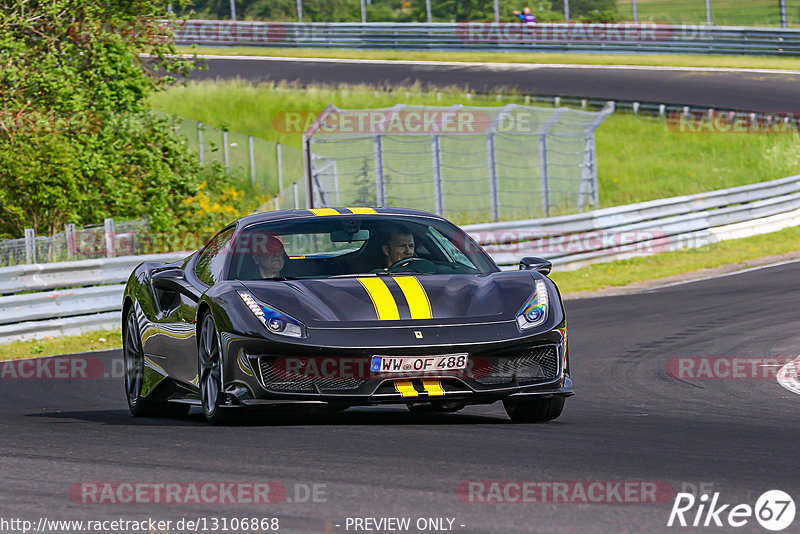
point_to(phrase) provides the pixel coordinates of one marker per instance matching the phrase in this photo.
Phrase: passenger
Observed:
(269, 255)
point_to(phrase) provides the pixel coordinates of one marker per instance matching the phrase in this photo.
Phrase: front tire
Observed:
(133, 356)
(209, 363)
(534, 410)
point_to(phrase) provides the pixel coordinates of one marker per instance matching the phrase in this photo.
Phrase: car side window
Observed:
(212, 262)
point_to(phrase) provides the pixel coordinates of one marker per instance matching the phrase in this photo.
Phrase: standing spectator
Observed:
(525, 16)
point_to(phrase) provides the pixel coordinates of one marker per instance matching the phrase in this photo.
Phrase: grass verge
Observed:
(639, 158)
(574, 58)
(99, 340)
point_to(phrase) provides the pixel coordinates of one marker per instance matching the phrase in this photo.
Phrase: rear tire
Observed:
(133, 357)
(209, 372)
(535, 410)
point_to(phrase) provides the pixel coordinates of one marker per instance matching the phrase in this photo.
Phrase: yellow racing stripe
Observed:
(417, 299)
(362, 211)
(323, 211)
(406, 388)
(382, 299)
(433, 387)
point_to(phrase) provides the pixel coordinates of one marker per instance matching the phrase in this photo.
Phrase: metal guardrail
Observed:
(689, 221)
(36, 303)
(505, 37)
(65, 298)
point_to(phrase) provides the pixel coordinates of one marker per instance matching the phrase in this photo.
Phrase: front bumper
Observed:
(259, 372)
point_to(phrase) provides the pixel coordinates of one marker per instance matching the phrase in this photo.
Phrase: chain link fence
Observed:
(468, 164)
(76, 243)
(253, 164)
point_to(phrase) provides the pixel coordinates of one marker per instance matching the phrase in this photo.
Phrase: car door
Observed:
(200, 274)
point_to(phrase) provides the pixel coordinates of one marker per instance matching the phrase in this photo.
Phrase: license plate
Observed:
(411, 364)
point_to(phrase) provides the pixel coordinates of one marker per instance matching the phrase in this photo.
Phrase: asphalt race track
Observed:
(720, 89)
(628, 422)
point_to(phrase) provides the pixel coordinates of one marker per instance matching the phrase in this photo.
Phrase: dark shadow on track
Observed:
(356, 417)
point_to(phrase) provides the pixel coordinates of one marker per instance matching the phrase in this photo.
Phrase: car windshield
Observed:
(331, 246)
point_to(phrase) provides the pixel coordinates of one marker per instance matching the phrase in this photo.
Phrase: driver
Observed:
(398, 246)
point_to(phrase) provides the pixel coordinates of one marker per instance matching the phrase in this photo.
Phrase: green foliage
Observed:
(77, 141)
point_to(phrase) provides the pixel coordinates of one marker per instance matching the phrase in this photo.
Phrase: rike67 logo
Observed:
(774, 510)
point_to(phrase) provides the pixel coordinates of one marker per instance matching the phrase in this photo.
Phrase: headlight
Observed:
(535, 311)
(274, 320)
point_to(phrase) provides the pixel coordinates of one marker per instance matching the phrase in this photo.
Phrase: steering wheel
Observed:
(413, 264)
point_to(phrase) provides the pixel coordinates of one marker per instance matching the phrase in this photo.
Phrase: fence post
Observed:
(109, 231)
(30, 246)
(380, 183)
(279, 152)
(784, 19)
(299, 10)
(437, 174)
(200, 141)
(545, 175)
(69, 234)
(225, 142)
(492, 152)
(252, 160)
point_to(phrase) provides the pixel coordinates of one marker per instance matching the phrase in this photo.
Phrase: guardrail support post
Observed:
(30, 246)
(109, 231)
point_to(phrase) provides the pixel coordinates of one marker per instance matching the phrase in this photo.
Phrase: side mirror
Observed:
(170, 280)
(535, 264)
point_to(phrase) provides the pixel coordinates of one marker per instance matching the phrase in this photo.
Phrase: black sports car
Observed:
(332, 308)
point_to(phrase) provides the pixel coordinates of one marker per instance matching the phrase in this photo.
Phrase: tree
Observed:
(77, 141)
